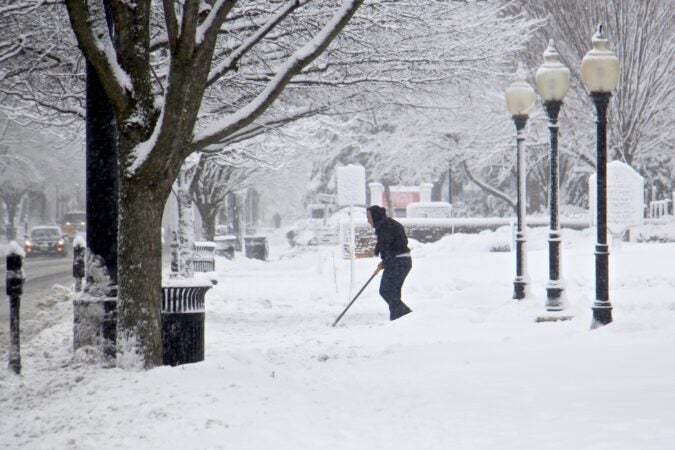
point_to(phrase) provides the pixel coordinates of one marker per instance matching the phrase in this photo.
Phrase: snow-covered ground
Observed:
(469, 369)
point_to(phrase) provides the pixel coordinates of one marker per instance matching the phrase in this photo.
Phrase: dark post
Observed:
(14, 289)
(602, 308)
(95, 317)
(78, 265)
(520, 283)
(102, 176)
(554, 289)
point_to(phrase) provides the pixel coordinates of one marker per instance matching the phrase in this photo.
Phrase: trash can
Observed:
(203, 257)
(225, 246)
(256, 247)
(183, 321)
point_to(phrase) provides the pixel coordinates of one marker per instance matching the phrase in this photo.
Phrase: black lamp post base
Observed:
(601, 317)
(554, 300)
(519, 290)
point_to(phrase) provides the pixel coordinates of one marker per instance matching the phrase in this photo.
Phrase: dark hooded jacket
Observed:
(391, 238)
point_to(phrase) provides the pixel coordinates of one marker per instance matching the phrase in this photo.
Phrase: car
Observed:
(72, 222)
(45, 240)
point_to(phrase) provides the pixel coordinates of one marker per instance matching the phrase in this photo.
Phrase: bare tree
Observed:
(41, 68)
(642, 33)
(157, 97)
(220, 175)
(18, 178)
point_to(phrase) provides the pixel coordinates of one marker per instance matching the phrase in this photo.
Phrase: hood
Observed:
(377, 213)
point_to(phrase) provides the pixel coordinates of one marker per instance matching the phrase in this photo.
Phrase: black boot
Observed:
(399, 311)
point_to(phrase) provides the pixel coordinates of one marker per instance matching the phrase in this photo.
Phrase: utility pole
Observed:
(102, 171)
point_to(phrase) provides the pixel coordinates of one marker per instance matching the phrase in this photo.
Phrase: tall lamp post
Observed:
(553, 82)
(520, 99)
(600, 74)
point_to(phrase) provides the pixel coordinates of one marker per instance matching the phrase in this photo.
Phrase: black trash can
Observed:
(183, 322)
(256, 247)
(225, 246)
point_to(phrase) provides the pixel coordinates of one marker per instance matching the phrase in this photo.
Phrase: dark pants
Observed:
(395, 271)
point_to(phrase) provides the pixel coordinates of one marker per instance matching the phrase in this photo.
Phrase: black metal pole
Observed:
(101, 169)
(14, 289)
(554, 288)
(602, 308)
(102, 195)
(78, 265)
(520, 282)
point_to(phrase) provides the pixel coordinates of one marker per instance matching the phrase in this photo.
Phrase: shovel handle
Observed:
(377, 270)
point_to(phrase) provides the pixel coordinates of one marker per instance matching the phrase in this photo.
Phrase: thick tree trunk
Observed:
(139, 332)
(208, 214)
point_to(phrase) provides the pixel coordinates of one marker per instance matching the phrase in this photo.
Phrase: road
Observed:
(41, 274)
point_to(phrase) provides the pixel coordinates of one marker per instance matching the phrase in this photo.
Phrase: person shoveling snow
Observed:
(392, 247)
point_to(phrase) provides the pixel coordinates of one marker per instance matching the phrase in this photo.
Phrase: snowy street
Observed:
(469, 369)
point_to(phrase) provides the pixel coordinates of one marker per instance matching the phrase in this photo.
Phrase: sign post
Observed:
(625, 204)
(351, 191)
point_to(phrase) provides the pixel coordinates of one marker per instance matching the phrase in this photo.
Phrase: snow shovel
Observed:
(357, 295)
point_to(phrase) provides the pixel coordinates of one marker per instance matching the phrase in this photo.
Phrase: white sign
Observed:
(351, 185)
(431, 210)
(625, 191)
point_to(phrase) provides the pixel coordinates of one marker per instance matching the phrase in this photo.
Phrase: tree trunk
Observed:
(208, 214)
(238, 222)
(11, 218)
(186, 230)
(139, 331)
(186, 221)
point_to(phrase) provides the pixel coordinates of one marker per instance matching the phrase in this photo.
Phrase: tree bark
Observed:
(208, 214)
(139, 331)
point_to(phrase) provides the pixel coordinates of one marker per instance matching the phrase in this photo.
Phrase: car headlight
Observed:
(67, 223)
(60, 242)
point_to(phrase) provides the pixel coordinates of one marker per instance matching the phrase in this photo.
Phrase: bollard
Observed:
(14, 289)
(78, 265)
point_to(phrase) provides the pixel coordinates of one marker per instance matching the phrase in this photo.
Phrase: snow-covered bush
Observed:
(654, 233)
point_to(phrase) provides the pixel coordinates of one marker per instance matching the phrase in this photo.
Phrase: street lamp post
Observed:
(520, 99)
(600, 74)
(553, 82)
